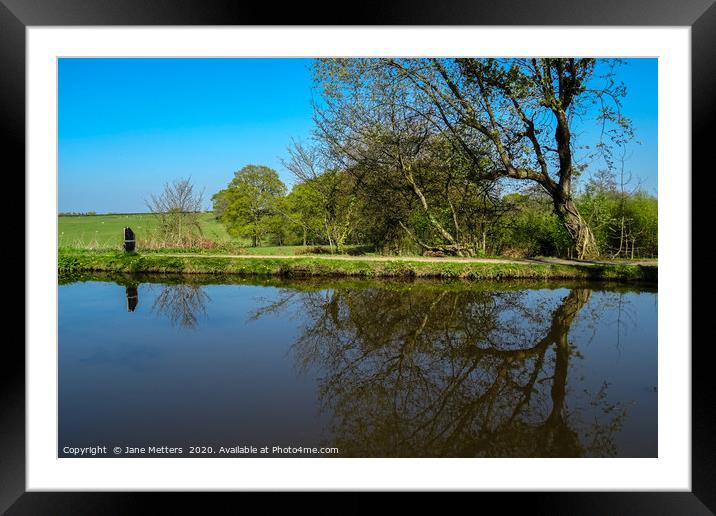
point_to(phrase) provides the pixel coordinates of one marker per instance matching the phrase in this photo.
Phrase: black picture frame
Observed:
(17, 15)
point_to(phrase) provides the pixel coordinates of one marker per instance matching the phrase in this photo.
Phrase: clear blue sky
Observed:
(127, 126)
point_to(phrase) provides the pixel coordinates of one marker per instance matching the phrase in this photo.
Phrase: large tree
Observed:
(250, 201)
(503, 118)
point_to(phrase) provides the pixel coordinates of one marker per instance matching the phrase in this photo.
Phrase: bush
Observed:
(316, 249)
(189, 241)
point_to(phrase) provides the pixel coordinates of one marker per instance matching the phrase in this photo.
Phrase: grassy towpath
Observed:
(74, 260)
(429, 259)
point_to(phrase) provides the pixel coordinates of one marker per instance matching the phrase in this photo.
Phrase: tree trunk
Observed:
(424, 203)
(556, 433)
(328, 234)
(585, 244)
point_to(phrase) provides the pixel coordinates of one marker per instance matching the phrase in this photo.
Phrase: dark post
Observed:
(129, 240)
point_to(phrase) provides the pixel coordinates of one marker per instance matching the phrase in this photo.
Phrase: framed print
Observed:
(417, 250)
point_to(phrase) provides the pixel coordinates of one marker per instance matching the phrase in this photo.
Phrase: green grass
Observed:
(74, 261)
(105, 231)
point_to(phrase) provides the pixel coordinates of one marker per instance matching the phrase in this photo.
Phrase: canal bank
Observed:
(306, 266)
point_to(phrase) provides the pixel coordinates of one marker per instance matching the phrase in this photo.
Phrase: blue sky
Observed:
(127, 126)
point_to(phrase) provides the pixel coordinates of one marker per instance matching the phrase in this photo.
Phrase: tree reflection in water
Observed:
(182, 303)
(443, 372)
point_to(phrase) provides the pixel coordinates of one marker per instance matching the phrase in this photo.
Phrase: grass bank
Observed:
(71, 261)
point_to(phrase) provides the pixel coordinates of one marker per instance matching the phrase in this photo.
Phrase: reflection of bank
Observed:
(132, 298)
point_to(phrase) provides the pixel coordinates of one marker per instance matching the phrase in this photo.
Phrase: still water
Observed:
(372, 368)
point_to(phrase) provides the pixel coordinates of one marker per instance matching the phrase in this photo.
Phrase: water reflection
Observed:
(377, 369)
(132, 297)
(183, 304)
(448, 373)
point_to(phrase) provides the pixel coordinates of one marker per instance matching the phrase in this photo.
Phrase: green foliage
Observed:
(624, 224)
(530, 228)
(250, 203)
(304, 220)
(337, 192)
(332, 209)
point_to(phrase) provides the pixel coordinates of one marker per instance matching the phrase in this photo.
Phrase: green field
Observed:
(105, 231)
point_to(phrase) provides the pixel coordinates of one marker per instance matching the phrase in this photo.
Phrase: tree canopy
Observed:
(468, 121)
(250, 200)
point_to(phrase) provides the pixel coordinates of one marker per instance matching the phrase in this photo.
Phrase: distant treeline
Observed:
(77, 213)
(108, 214)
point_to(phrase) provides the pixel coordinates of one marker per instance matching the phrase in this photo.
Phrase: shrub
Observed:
(316, 249)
